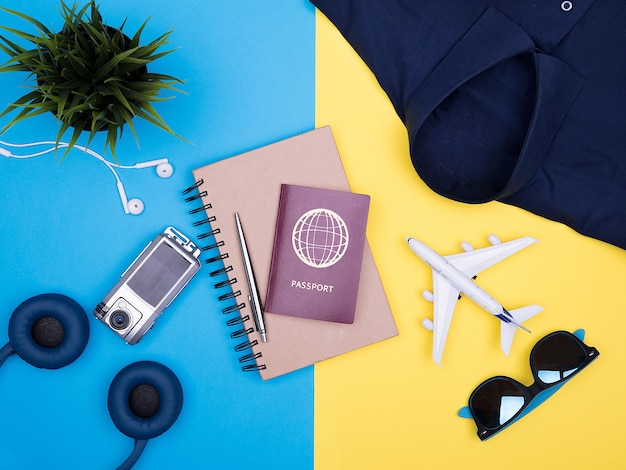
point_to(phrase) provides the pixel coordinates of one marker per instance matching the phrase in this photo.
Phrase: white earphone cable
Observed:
(60, 145)
(164, 169)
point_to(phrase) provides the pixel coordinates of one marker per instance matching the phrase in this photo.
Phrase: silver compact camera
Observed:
(149, 285)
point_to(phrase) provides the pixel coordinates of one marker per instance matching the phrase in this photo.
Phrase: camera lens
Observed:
(119, 319)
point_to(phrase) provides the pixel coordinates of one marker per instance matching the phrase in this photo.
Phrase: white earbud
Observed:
(133, 206)
(163, 167)
(165, 170)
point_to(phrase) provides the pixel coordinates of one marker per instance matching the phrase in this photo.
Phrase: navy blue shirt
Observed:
(517, 101)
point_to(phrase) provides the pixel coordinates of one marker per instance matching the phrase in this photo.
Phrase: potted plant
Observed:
(91, 76)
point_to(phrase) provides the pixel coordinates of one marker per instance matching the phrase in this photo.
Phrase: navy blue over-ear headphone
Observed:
(51, 331)
(48, 331)
(145, 399)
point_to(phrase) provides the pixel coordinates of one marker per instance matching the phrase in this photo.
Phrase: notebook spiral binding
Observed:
(233, 306)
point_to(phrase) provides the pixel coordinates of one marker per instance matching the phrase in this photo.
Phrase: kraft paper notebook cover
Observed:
(318, 250)
(250, 185)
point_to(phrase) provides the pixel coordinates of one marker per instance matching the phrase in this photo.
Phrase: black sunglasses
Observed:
(500, 401)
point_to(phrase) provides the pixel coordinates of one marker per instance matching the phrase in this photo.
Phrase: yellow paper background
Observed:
(388, 405)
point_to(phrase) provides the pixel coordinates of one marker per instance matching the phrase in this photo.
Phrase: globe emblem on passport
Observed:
(320, 238)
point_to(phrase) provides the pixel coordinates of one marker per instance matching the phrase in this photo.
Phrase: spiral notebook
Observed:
(250, 184)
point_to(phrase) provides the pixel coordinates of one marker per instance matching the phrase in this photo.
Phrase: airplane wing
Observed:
(444, 301)
(473, 262)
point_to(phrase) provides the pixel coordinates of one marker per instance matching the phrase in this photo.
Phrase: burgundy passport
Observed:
(317, 254)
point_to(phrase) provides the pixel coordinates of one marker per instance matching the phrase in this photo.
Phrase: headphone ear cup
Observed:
(145, 399)
(49, 331)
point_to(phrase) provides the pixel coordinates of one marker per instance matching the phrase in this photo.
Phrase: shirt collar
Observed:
(492, 39)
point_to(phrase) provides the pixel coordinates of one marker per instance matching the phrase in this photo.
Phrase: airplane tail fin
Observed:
(507, 330)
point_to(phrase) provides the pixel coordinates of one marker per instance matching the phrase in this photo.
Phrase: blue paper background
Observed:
(249, 67)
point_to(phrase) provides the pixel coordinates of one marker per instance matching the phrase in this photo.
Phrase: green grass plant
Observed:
(91, 76)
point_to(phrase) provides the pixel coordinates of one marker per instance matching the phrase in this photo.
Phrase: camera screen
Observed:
(158, 274)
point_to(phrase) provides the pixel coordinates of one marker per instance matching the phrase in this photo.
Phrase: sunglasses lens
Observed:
(556, 357)
(496, 402)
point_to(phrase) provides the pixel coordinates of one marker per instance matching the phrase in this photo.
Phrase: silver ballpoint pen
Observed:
(254, 298)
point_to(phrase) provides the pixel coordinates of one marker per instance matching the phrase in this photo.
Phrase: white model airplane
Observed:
(452, 275)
